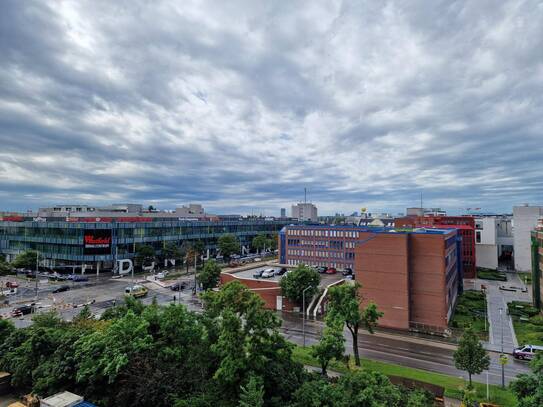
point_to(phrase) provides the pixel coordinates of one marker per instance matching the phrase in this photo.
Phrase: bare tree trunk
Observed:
(323, 370)
(354, 333)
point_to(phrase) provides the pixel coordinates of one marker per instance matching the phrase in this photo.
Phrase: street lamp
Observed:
(501, 356)
(37, 266)
(303, 308)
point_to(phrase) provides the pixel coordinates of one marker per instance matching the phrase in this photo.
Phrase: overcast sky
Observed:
(239, 105)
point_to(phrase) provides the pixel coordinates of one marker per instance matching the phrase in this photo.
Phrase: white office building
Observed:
(305, 212)
(494, 242)
(525, 219)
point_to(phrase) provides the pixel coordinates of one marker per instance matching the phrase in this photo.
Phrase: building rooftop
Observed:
(377, 229)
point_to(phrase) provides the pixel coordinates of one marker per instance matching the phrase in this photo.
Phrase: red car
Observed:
(11, 284)
(331, 270)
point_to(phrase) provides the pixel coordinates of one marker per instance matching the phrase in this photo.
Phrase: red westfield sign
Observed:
(97, 241)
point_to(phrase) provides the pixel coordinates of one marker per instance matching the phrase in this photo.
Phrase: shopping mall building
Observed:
(101, 240)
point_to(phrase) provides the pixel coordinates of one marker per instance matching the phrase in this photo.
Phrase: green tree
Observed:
(345, 304)
(171, 251)
(209, 277)
(273, 241)
(529, 387)
(199, 247)
(260, 242)
(6, 328)
(228, 245)
(27, 260)
(145, 254)
(331, 345)
(363, 388)
(5, 267)
(191, 256)
(103, 354)
(318, 392)
(293, 283)
(246, 341)
(252, 395)
(470, 355)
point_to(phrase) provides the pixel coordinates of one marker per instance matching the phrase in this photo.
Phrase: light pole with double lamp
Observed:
(303, 308)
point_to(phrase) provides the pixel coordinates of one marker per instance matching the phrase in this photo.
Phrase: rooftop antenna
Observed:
(305, 195)
(421, 208)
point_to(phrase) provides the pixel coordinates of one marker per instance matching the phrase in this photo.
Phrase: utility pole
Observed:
(503, 365)
(195, 282)
(303, 316)
(37, 265)
(134, 260)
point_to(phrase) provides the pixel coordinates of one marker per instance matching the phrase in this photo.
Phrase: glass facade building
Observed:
(67, 242)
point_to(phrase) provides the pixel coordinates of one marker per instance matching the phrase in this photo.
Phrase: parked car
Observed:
(331, 270)
(80, 278)
(8, 292)
(178, 286)
(268, 273)
(22, 310)
(527, 352)
(347, 271)
(161, 275)
(136, 291)
(12, 284)
(62, 288)
(280, 272)
(258, 273)
(322, 269)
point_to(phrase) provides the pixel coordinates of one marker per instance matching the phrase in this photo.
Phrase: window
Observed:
(478, 236)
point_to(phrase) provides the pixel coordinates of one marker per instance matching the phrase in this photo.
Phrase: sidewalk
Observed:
(501, 326)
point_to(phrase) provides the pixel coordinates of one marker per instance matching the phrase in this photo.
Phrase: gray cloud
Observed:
(242, 105)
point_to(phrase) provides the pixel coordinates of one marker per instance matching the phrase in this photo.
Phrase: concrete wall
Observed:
(487, 256)
(525, 219)
(267, 290)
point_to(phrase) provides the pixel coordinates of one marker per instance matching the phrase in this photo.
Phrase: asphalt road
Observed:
(396, 349)
(403, 350)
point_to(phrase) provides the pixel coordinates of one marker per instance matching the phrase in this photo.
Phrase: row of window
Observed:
(59, 232)
(295, 262)
(320, 253)
(333, 244)
(324, 233)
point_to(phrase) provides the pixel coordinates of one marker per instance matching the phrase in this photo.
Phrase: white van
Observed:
(527, 352)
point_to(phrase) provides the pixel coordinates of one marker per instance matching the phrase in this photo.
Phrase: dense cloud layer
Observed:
(241, 104)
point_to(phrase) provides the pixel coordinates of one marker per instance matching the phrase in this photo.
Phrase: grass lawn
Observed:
(526, 278)
(528, 333)
(451, 384)
(489, 274)
(528, 323)
(471, 310)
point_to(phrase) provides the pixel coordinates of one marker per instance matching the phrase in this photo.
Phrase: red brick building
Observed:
(466, 229)
(412, 275)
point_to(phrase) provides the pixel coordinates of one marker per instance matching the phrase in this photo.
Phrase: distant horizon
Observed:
(276, 213)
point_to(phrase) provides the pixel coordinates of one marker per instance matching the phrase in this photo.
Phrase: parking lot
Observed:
(249, 273)
(99, 293)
